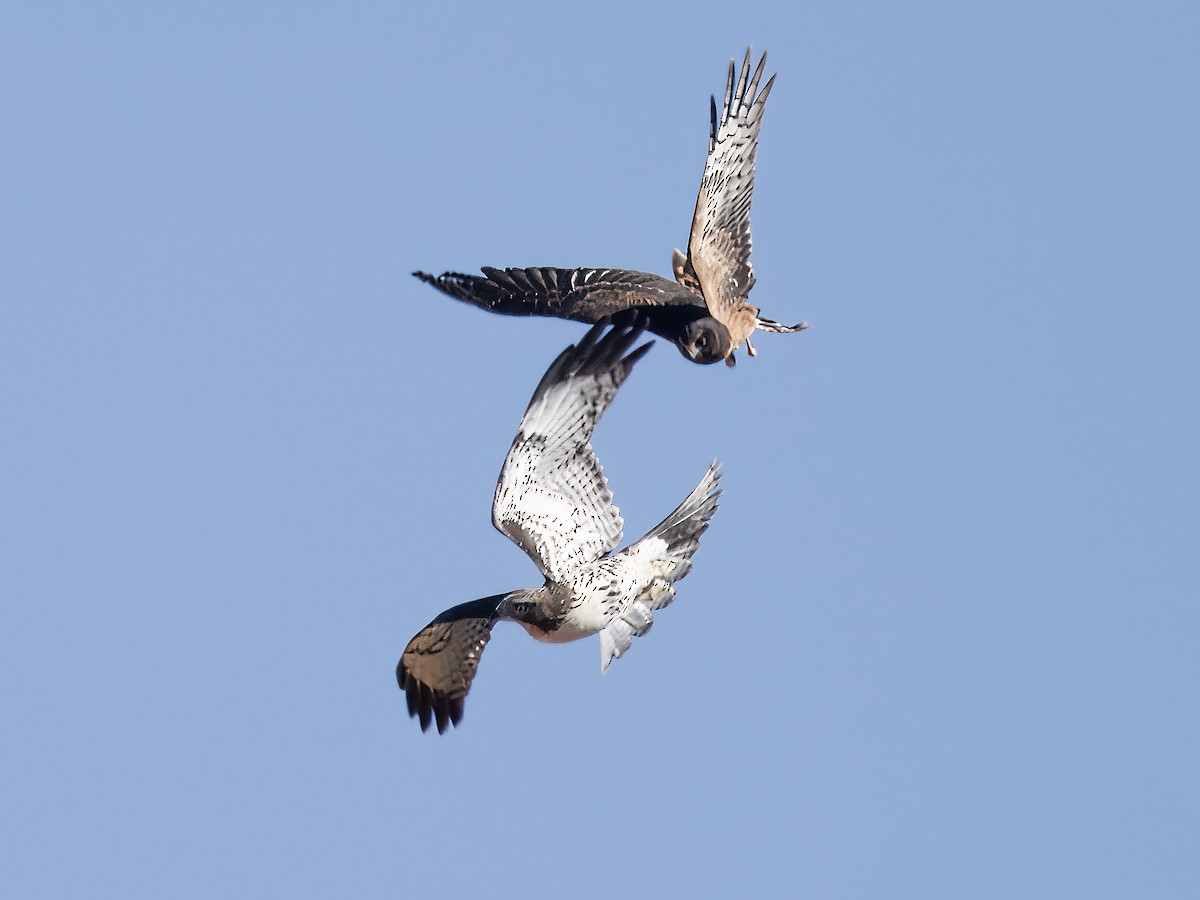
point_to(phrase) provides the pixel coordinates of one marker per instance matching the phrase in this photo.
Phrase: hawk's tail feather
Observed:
(764, 324)
(617, 636)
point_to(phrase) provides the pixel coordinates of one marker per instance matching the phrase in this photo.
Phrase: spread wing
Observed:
(718, 255)
(552, 498)
(584, 295)
(437, 666)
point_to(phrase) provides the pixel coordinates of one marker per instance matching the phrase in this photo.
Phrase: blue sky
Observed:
(941, 639)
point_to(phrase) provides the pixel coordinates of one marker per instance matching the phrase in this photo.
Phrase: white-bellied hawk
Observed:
(553, 501)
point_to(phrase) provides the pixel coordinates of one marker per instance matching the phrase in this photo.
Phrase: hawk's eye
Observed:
(702, 341)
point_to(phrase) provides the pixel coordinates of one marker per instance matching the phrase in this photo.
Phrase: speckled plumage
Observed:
(553, 501)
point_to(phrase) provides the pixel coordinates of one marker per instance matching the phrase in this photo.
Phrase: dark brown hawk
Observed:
(705, 312)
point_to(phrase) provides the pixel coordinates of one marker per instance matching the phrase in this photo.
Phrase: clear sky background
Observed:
(943, 637)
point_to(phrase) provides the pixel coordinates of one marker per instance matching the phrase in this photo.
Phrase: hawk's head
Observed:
(704, 340)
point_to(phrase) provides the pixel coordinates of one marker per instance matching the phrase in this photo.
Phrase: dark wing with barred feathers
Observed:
(718, 256)
(437, 666)
(552, 498)
(584, 295)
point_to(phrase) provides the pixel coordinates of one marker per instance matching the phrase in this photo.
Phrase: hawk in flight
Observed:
(705, 311)
(553, 501)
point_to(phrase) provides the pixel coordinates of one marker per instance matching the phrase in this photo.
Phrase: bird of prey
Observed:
(553, 501)
(705, 311)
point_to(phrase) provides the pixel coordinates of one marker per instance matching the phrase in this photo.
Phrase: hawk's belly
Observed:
(601, 591)
(582, 619)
